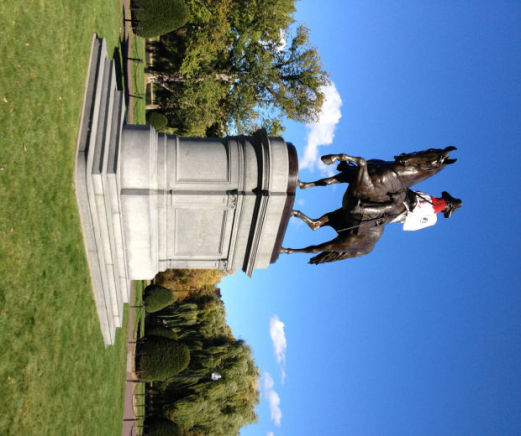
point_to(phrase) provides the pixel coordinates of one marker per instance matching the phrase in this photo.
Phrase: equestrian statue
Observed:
(378, 193)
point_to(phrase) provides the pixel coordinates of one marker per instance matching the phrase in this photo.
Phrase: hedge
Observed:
(160, 358)
(157, 120)
(161, 427)
(158, 17)
(157, 298)
(161, 332)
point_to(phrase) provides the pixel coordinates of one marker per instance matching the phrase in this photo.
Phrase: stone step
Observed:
(98, 191)
(103, 197)
(112, 178)
(93, 157)
(111, 197)
(110, 184)
(86, 149)
(101, 218)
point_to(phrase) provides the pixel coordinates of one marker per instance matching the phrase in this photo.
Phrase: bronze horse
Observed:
(381, 183)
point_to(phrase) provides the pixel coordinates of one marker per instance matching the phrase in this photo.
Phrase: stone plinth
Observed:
(203, 203)
(97, 189)
(149, 202)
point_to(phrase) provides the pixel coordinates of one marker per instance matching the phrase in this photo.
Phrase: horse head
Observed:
(413, 168)
(431, 159)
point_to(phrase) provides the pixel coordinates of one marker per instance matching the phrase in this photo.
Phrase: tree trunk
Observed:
(162, 77)
(159, 82)
(155, 106)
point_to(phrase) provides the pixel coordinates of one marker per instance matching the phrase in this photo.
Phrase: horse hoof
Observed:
(302, 185)
(284, 250)
(328, 159)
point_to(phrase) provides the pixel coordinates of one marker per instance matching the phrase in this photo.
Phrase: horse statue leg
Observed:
(321, 182)
(330, 159)
(313, 224)
(326, 246)
(362, 183)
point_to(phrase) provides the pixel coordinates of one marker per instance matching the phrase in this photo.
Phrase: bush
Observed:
(188, 279)
(157, 120)
(157, 298)
(161, 332)
(158, 17)
(161, 358)
(161, 427)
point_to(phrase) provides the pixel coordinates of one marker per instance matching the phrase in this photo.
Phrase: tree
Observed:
(187, 279)
(194, 401)
(218, 407)
(157, 120)
(159, 358)
(161, 427)
(237, 58)
(157, 17)
(157, 298)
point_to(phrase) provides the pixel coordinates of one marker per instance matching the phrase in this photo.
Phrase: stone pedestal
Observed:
(203, 203)
(149, 202)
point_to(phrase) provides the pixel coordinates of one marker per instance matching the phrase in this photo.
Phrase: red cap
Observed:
(439, 204)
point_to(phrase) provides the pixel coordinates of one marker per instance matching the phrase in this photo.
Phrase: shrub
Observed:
(161, 332)
(160, 358)
(158, 17)
(188, 279)
(157, 298)
(161, 427)
(157, 120)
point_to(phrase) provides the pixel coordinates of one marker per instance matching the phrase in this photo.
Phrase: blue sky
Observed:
(422, 336)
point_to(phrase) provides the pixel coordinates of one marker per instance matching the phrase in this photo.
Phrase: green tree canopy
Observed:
(234, 59)
(159, 358)
(224, 406)
(157, 17)
(157, 298)
(192, 399)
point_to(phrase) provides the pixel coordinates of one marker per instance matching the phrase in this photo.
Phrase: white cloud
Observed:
(322, 132)
(278, 45)
(270, 433)
(278, 338)
(282, 41)
(273, 399)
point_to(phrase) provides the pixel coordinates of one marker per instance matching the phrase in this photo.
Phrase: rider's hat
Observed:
(452, 204)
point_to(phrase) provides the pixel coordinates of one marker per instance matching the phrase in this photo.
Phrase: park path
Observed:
(129, 408)
(127, 30)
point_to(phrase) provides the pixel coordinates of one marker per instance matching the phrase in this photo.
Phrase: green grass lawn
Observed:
(56, 377)
(139, 328)
(137, 51)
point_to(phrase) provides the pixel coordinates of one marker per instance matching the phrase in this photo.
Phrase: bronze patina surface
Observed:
(378, 192)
